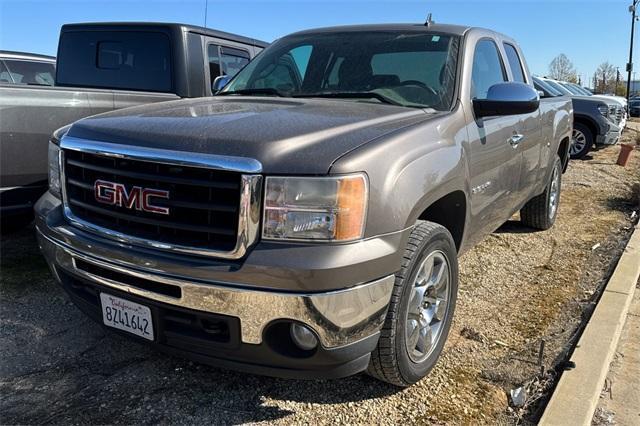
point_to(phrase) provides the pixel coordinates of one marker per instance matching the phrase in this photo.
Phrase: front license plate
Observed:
(126, 315)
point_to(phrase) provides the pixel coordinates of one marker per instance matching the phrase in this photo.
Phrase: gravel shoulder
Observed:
(518, 288)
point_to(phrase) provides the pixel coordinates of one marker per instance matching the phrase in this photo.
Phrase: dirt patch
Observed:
(518, 288)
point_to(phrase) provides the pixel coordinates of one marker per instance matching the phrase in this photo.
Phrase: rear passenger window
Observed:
(514, 63)
(487, 69)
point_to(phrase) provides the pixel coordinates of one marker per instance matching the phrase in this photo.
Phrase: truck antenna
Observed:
(429, 21)
(206, 6)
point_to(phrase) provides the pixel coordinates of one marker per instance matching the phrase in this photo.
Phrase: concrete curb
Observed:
(576, 397)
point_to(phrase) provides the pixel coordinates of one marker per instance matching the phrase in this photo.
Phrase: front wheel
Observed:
(421, 308)
(581, 141)
(540, 212)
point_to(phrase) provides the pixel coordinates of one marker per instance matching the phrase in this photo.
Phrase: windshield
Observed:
(542, 85)
(582, 90)
(571, 89)
(412, 69)
(558, 87)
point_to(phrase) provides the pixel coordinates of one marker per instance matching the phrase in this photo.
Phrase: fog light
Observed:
(303, 337)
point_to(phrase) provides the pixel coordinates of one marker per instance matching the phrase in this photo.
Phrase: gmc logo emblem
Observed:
(116, 194)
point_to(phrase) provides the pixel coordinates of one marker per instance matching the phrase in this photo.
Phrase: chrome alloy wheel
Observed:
(554, 192)
(578, 142)
(428, 306)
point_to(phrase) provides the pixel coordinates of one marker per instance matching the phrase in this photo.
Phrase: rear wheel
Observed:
(581, 141)
(421, 308)
(540, 212)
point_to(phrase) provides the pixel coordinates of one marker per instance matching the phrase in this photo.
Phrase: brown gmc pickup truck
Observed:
(307, 220)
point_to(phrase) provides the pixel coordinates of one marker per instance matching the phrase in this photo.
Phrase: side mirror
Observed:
(510, 98)
(219, 82)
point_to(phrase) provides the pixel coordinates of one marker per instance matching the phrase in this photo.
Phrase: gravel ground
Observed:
(517, 288)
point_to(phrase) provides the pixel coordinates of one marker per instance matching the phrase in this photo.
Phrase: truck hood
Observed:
(288, 136)
(597, 98)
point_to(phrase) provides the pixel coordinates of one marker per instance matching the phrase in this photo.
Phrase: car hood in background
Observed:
(286, 135)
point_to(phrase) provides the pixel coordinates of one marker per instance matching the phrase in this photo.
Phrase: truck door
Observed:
(494, 164)
(530, 127)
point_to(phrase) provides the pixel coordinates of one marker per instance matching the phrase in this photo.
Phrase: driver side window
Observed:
(487, 69)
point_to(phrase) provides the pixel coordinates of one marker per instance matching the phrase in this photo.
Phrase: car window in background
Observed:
(581, 90)
(31, 72)
(571, 89)
(116, 60)
(558, 87)
(5, 77)
(487, 69)
(407, 68)
(514, 63)
(215, 69)
(233, 60)
(542, 85)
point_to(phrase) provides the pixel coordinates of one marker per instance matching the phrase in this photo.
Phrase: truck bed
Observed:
(29, 114)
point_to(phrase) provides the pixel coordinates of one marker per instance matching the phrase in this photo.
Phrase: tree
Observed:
(561, 68)
(606, 78)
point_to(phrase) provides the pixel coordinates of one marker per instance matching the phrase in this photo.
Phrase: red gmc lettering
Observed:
(146, 200)
(116, 194)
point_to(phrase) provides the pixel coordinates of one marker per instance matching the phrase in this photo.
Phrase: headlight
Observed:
(604, 110)
(54, 169)
(309, 208)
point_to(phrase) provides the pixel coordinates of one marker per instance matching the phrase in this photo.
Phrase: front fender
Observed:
(409, 170)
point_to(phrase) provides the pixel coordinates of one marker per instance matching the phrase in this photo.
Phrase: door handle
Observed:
(516, 139)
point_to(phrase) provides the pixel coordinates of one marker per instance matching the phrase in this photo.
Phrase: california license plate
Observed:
(126, 315)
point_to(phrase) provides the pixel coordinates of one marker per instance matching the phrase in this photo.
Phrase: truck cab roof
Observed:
(457, 30)
(110, 26)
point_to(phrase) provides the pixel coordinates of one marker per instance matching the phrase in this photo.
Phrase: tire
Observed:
(581, 141)
(541, 211)
(391, 361)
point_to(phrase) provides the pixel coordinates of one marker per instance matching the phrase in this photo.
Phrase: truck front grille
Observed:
(619, 114)
(202, 205)
(615, 113)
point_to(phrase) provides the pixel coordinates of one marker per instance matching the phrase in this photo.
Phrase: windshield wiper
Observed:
(263, 91)
(351, 95)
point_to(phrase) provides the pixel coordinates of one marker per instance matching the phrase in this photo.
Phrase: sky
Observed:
(589, 32)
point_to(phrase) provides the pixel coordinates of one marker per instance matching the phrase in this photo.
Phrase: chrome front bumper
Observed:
(339, 317)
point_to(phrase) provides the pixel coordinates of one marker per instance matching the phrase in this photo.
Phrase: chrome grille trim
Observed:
(165, 156)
